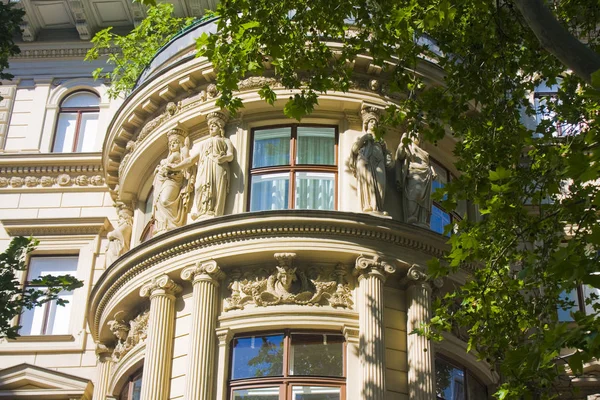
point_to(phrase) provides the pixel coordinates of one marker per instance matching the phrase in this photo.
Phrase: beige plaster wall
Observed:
(394, 315)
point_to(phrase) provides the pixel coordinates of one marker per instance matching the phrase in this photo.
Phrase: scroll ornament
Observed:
(314, 286)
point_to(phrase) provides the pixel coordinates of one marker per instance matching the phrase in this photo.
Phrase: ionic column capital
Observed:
(373, 266)
(417, 275)
(224, 335)
(104, 352)
(161, 285)
(203, 271)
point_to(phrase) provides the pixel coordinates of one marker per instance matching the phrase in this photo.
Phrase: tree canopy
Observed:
(11, 19)
(538, 238)
(14, 298)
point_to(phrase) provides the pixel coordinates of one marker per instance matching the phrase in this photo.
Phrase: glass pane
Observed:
(40, 266)
(257, 356)
(271, 147)
(59, 316)
(81, 100)
(88, 130)
(314, 190)
(450, 381)
(316, 145)
(137, 389)
(270, 393)
(315, 393)
(31, 321)
(314, 354)
(269, 192)
(570, 305)
(476, 389)
(591, 296)
(65, 133)
(439, 219)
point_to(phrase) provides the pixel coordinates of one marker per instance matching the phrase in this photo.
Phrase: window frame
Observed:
(286, 382)
(46, 306)
(129, 385)
(454, 217)
(79, 111)
(292, 167)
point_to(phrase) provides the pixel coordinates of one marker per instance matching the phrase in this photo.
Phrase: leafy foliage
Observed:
(11, 18)
(12, 296)
(538, 236)
(132, 53)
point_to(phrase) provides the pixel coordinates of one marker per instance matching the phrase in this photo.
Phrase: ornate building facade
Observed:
(228, 258)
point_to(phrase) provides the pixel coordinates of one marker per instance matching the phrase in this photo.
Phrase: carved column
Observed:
(205, 279)
(372, 273)
(104, 367)
(421, 364)
(159, 343)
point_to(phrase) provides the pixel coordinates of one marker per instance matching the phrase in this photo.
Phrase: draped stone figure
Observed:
(120, 238)
(414, 175)
(368, 162)
(212, 181)
(172, 187)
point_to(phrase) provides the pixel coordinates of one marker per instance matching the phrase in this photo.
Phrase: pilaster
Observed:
(205, 279)
(104, 369)
(421, 364)
(159, 344)
(372, 273)
(224, 336)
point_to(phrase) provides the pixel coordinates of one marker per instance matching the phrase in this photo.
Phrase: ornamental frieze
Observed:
(62, 180)
(128, 334)
(312, 286)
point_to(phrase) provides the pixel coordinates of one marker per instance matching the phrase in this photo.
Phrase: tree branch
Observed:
(557, 40)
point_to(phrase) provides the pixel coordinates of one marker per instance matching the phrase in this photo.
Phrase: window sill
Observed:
(44, 338)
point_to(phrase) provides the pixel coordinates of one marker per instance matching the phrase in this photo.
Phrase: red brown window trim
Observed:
(79, 111)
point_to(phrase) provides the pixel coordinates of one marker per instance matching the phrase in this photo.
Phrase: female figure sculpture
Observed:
(414, 175)
(213, 156)
(120, 238)
(171, 187)
(368, 162)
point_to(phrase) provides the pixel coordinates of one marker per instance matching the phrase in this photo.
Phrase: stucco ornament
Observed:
(288, 285)
(212, 180)
(119, 239)
(47, 181)
(31, 181)
(414, 175)
(368, 162)
(128, 334)
(3, 181)
(172, 186)
(63, 180)
(16, 181)
(82, 180)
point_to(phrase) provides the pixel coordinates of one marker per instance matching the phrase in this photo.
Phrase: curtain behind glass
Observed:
(65, 133)
(88, 127)
(271, 147)
(314, 191)
(316, 145)
(269, 192)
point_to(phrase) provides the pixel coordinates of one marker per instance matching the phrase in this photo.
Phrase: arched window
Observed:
(77, 125)
(455, 382)
(133, 388)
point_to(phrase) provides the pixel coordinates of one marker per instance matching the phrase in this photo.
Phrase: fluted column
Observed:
(205, 279)
(104, 367)
(372, 273)
(159, 343)
(421, 364)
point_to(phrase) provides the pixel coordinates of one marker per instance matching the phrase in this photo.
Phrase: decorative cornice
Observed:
(275, 225)
(45, 181)
(60, 52)
(56, 226)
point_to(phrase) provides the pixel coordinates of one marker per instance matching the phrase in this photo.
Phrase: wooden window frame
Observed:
(292, 167)
(466, 375)
(129, 385)
(285, 382)
(46, 306)
(79, 111)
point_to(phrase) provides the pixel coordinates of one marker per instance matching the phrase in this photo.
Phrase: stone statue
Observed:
(213, 156)
(120, 238)
(368, 162)
(172, 187)
(414, 175)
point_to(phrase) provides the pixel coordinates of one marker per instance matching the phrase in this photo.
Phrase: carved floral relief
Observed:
(311, 286)
(128, 334)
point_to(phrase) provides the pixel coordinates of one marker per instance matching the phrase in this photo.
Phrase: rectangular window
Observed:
(293, 167)
(49, 318)
(439, 217)
(288, 366)
(582, 299)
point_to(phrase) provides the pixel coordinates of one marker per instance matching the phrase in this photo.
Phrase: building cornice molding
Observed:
(56, 226)
(358, 232)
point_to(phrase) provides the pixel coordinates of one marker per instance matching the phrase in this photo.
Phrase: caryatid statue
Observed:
(368, 162)
(120, 238)
(172, 186)
(213, 179)
(414, 175)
